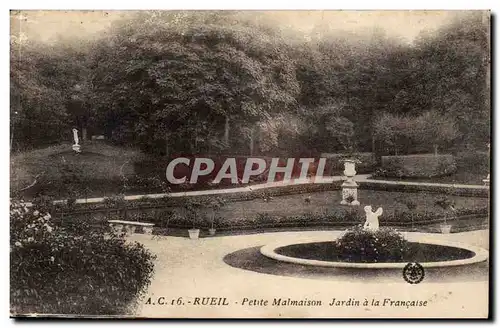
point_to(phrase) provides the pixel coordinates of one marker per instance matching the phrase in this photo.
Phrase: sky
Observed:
(48, 25)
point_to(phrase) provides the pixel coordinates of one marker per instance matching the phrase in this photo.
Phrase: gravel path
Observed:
(191, 269)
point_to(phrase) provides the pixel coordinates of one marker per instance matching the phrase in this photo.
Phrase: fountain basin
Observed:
(318, 252)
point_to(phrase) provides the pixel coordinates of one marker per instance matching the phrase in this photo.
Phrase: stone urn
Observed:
(350, 187)
(349, 168)
(194, 233)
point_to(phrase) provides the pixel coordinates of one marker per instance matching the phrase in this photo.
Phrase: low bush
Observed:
(364, 246)
(417, 166)
(71, 267)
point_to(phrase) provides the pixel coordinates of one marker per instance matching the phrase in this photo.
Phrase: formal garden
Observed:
(96, 122)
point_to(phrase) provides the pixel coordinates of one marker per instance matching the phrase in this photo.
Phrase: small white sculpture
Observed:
(371, 222)
(76, 146)
(75, 136)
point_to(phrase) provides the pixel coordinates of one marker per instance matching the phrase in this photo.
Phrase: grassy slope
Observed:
(98, 161)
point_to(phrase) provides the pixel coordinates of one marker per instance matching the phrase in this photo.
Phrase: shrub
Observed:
(72, 268)
(417, 166)
(364, 246)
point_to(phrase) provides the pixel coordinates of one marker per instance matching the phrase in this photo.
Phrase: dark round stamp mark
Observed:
(413, 273)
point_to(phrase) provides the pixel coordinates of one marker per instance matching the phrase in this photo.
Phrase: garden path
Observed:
(188, 269)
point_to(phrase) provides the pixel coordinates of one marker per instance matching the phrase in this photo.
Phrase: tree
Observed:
(413, 133)
(37, 109)
(449, 73)
(327, 127)
(47, 79)
(432, 128)
(393, 133)
(186, 81)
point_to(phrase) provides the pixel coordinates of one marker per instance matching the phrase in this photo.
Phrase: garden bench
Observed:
(118, 225)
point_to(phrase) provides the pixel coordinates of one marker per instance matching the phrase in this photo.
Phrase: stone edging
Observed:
(480, 255)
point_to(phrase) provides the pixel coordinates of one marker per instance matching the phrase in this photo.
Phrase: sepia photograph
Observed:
(260, 164)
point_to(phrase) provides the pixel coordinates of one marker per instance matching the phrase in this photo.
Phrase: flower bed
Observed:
(337, 217)
(72, 267)
(355, 245)
(362, 246)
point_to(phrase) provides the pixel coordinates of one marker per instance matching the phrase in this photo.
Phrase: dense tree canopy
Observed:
(176, 85)
(230, 82)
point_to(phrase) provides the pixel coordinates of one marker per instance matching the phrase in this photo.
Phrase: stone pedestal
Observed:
(349, 187)
(349, 191)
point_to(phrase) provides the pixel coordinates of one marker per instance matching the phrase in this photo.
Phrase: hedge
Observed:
(401, 187)
(417, 166)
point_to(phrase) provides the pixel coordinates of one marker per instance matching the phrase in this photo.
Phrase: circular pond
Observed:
(429, 253)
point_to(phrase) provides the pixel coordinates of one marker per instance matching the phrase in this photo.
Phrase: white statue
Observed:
(76, 146)
(371, 222)
(75, 136)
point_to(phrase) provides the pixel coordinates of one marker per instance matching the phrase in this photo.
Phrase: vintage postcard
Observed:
(250, 164)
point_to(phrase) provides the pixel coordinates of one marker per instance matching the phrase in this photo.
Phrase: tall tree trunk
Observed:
(373, 144)
(196, 138)
(84, 134)
(226, 131)
(435, 149)
(167, 148)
